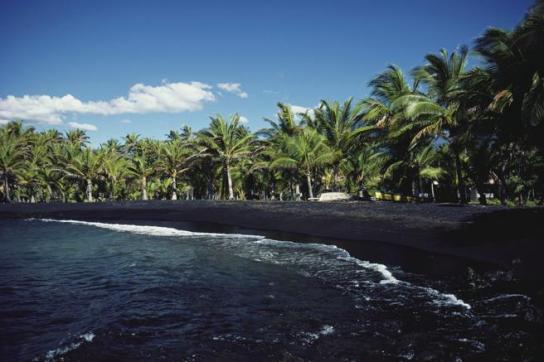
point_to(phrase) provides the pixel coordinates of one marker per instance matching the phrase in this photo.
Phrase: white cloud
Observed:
(83, 126)
(243, 120)
(125, 121)
(300, 109)
(168, 97)
(4, 121)
(234, 88)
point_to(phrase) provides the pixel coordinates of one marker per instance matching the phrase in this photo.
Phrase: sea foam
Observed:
(53, 354)
(149, 230)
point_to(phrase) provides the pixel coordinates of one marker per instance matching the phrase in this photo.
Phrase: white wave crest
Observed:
(53, 354)
(446, 299)
(149, 230)
(88, 337)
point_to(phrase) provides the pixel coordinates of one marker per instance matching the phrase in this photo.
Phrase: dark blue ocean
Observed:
(82, 291)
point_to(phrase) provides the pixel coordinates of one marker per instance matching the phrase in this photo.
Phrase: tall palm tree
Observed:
(227, 142)
(305, 152)
(140, 168)
(12, 160)
(115, 168)
(85, 165)
(174, 159)
(341, 124)
(381, 110)
(441, 112)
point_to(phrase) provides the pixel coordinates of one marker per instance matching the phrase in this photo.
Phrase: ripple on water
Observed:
(173, 292)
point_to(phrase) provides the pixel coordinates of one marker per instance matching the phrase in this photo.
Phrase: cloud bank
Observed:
(168, 97)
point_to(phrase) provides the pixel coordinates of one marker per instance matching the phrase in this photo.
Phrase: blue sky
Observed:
(151, 66)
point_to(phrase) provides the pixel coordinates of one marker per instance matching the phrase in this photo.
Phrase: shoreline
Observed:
(488, 235)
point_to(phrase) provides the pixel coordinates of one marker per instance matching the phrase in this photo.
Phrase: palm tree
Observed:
(305, 152)
(514, 58)
(115, 168)
(132, 143)
(12, 160)
(393, 141)
(77, 137)
(85, 165)
(440, 113)
(386, 87)
(140, 168)
(363, 168)
(174, 159)
(424, 162)
(285, 124)
(341, 124)
(227, 142)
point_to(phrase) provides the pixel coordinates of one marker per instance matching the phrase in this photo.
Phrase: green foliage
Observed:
(449, 130)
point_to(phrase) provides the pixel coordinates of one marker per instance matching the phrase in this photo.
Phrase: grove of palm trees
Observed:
(464, 124)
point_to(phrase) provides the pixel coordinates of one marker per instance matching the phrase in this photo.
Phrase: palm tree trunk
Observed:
(432, 191)
(7, 197)
(174, 187)
(334, 178)
(297, 192)
(112, 190)
(460, 180)
(49, 193)
(309, 180)
(89, 190)
(229, 182)
(144, 188)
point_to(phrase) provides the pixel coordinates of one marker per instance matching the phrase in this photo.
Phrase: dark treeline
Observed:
(450, 131)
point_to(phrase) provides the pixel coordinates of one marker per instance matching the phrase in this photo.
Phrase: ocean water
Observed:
(90, 291)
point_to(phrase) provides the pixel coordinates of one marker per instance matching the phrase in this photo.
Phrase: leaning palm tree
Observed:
(174, 159)
(227, 142)
(305, 152)
(85, 165)
(12, 160)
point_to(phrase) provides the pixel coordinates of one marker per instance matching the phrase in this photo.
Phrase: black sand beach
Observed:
(498, 236)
